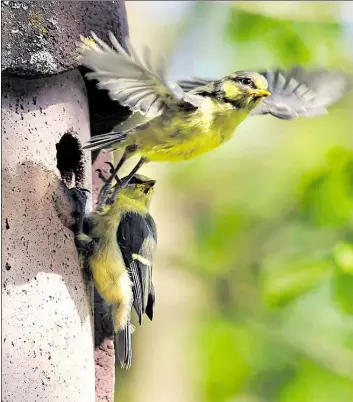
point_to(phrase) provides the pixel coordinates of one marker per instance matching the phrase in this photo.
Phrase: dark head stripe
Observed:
(219, 95)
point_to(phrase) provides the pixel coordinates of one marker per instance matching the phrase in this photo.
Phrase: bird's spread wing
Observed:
(136, 82)
(302, 93)
(296, 92)
(189, 85)
(137, 239)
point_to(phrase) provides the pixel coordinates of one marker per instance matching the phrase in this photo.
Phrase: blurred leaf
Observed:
(298, 10)
(314, 326)
(343, 255)
(343, 291)
(327, 194)
(217, 236)
(282, 284)
(291, 42)
(315, 384)
(229, 351)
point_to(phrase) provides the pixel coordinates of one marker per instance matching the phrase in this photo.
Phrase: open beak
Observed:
(260, 93)
(148, 185)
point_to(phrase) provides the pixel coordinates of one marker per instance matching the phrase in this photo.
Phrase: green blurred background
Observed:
(254, 270)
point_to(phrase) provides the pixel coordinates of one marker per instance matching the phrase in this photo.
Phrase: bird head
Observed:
(140, 188)
(244, 90)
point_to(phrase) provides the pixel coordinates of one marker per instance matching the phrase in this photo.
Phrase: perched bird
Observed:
(117, 247)
(178, 122)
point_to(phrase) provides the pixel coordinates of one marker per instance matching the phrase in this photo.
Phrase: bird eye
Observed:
(246, 81)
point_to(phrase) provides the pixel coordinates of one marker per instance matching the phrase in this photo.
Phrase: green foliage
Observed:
(342, 288)
(271, 213)
(344, 257)
(283, 41)
(326, 197)
(343, 277)
(238, 344)
(314, 383)
(273, 237)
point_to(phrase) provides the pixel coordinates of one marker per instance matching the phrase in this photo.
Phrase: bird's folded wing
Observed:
(137, 240)
(136, 82)
(297, 92)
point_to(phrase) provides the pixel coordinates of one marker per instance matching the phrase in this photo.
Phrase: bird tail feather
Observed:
(106, 141)
(123, 346)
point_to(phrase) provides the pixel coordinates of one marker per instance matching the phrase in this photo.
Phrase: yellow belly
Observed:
(182, 148)
(107, 269)
(186, 137)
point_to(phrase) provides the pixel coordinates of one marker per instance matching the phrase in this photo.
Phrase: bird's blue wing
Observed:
(137, 238)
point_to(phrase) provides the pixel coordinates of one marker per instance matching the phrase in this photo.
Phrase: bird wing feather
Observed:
(299, 92)
(136, 82)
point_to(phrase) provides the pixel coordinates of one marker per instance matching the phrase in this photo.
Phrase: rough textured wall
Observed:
(47, 323)
(39, 38)
(48, 345)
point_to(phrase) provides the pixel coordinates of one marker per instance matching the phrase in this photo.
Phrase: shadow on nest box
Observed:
(104, 113)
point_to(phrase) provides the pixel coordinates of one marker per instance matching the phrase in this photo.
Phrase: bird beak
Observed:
(260, 93)
(149, 184)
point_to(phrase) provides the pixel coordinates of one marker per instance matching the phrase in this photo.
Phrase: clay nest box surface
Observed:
(39, 39)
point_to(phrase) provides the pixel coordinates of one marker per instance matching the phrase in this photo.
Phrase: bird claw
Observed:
(103, 195)
(79, 197)
(112, 175)
(117, 187)
(101, 176)
(112, 167)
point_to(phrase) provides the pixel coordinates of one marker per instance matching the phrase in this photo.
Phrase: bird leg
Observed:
(101, 175)
(70, 206)
(83, 241)
(105, 190)
(124, 182)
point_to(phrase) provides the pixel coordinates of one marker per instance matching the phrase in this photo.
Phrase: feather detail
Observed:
(123, 346)
(133, 81)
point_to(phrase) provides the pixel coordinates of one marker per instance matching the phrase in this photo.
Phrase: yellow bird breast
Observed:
(187, 136)
(108, 271)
